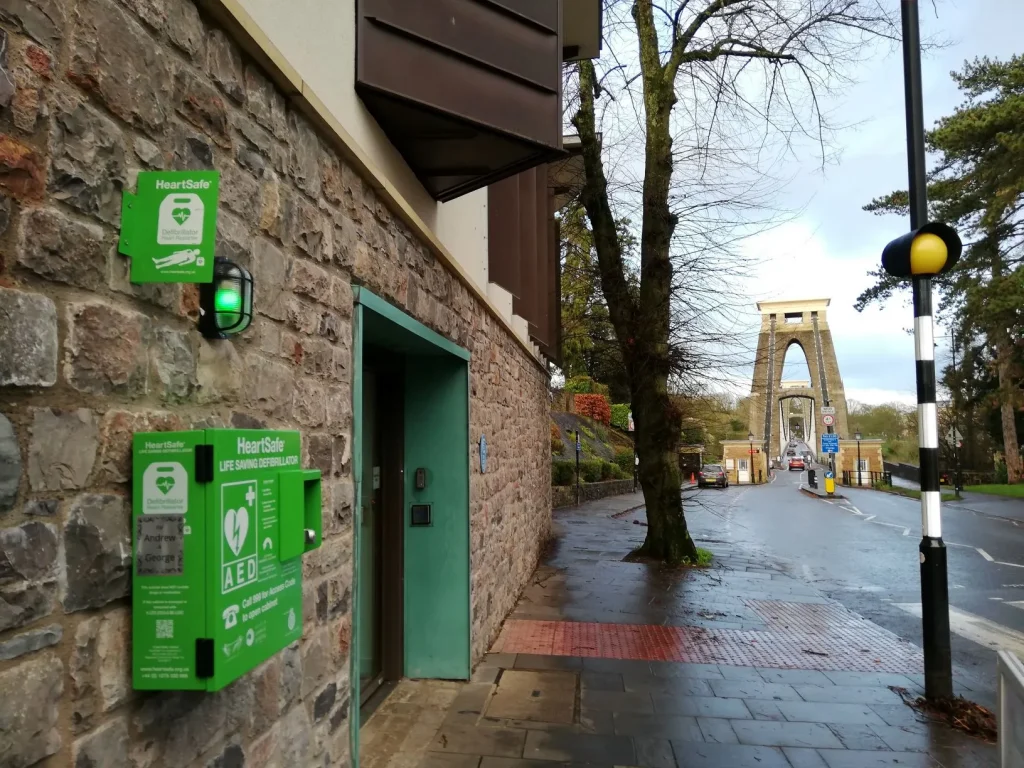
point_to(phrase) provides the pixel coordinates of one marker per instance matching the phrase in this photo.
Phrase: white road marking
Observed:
(1000, 599)
(985, 554)
(855, 510)
(1012, 565)
(906, 531)
(869, 518)
(1014, 603)
(977, 629)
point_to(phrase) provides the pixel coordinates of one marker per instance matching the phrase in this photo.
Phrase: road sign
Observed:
(754, 450)
(632, 427)
(169, 226)
(830, 475)
(830, 443)
(953, 437)
(828, 410)
(828, 419)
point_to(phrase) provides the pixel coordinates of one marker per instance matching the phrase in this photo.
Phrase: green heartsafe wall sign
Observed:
(169, 226)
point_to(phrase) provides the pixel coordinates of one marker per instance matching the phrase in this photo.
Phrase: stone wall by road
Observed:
(565, 495)
(91, 92)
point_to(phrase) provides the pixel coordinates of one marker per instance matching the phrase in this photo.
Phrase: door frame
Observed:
(365, 305)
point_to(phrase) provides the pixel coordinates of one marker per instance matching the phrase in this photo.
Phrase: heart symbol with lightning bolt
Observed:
(165, 483)
(236, 527)
(181, 215)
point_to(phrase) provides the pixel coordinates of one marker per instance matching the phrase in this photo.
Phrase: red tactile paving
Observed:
(799, 636)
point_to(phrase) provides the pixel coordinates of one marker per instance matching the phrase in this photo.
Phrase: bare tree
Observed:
(710, 90)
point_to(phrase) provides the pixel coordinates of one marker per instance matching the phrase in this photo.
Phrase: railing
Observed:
(1011, 710)
(866, 478)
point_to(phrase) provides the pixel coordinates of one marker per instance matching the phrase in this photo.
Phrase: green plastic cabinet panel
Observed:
(219, 524)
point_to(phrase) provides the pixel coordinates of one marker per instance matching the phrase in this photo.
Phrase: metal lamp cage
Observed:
(217, 323)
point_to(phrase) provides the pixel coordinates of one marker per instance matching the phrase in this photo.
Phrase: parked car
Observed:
(712, 474)
(796, 462)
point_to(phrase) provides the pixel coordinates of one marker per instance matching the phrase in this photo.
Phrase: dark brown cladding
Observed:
(469, 91)
(523, 253)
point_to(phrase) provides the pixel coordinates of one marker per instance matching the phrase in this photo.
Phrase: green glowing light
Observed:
(227, 300)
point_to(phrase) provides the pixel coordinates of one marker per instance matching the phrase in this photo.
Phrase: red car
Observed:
(795, 462)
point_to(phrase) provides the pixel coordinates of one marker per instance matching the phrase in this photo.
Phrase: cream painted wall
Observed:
(318, 39)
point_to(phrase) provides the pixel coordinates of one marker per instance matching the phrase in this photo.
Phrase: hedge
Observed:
(593, 406)
(620, 415)
(580, 385)
(624, 460)
(563, 472)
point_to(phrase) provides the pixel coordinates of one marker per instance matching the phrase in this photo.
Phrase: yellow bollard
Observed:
(830, 485)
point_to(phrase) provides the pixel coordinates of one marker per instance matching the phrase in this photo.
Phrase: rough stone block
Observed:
(30, 642)
(276, 209)
(265, 102)
(62, 449)
(185, 28)
(97, 544)
(57, 247)
(274, 269)
(192, 151)
(30, 718)
(233, 756)
(88, 169)
(200, 104)
(304, 159)
(310, 229)
(224, 62)
(268, 386)
(307, 279)
(267, 695)
(240, 192)
(28, 552)
(219, 372)
(42, 20)
(5, 216)
(106, 351)
(106, 747)
(152, 12)
(173, 360)
(115, 437)
(10, 465)
(22, 170)
(113, 58)
(166, 295)
(100, 667)
(8, 86)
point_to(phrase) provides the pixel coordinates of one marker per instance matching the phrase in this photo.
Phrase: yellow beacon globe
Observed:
(928, 255)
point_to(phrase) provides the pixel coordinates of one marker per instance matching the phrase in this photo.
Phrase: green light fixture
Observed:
(225, 305)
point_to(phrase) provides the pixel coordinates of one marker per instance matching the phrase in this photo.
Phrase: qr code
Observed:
(165, 629)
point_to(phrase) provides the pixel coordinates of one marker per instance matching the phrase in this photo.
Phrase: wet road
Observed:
(863, 551)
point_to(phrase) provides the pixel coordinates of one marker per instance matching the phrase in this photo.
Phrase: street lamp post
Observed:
(856, 436)
(750, 437)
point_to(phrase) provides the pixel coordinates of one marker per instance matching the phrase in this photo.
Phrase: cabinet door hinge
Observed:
(204, 657)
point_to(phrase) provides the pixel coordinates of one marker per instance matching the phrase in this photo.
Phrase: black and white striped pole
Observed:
(926, 251)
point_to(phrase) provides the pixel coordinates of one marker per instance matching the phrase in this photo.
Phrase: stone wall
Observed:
(565, 495)
(91, 92)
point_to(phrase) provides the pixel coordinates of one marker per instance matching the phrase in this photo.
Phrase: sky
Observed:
(827, 249)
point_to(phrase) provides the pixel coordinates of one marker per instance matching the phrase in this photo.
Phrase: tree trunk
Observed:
(1008, 412)
(642, 322)
(658, 423)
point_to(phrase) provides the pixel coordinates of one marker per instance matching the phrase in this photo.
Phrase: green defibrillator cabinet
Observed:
(220, 521)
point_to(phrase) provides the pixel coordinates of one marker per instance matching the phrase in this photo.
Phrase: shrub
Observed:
(601, 389)
(595, 407)
(556, 432)
(624, 460)
(610, 471)
(1002, 475)
(591, 470)
(563, 472)
(602, 434)
(620, 415)
(579, 385)
(557, 447)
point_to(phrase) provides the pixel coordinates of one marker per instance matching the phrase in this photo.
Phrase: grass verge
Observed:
(1011, 491)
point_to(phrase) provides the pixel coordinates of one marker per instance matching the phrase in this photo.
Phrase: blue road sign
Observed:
(830, 443)
(830, 475)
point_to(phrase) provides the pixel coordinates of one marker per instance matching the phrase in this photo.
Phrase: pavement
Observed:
(747, 663)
